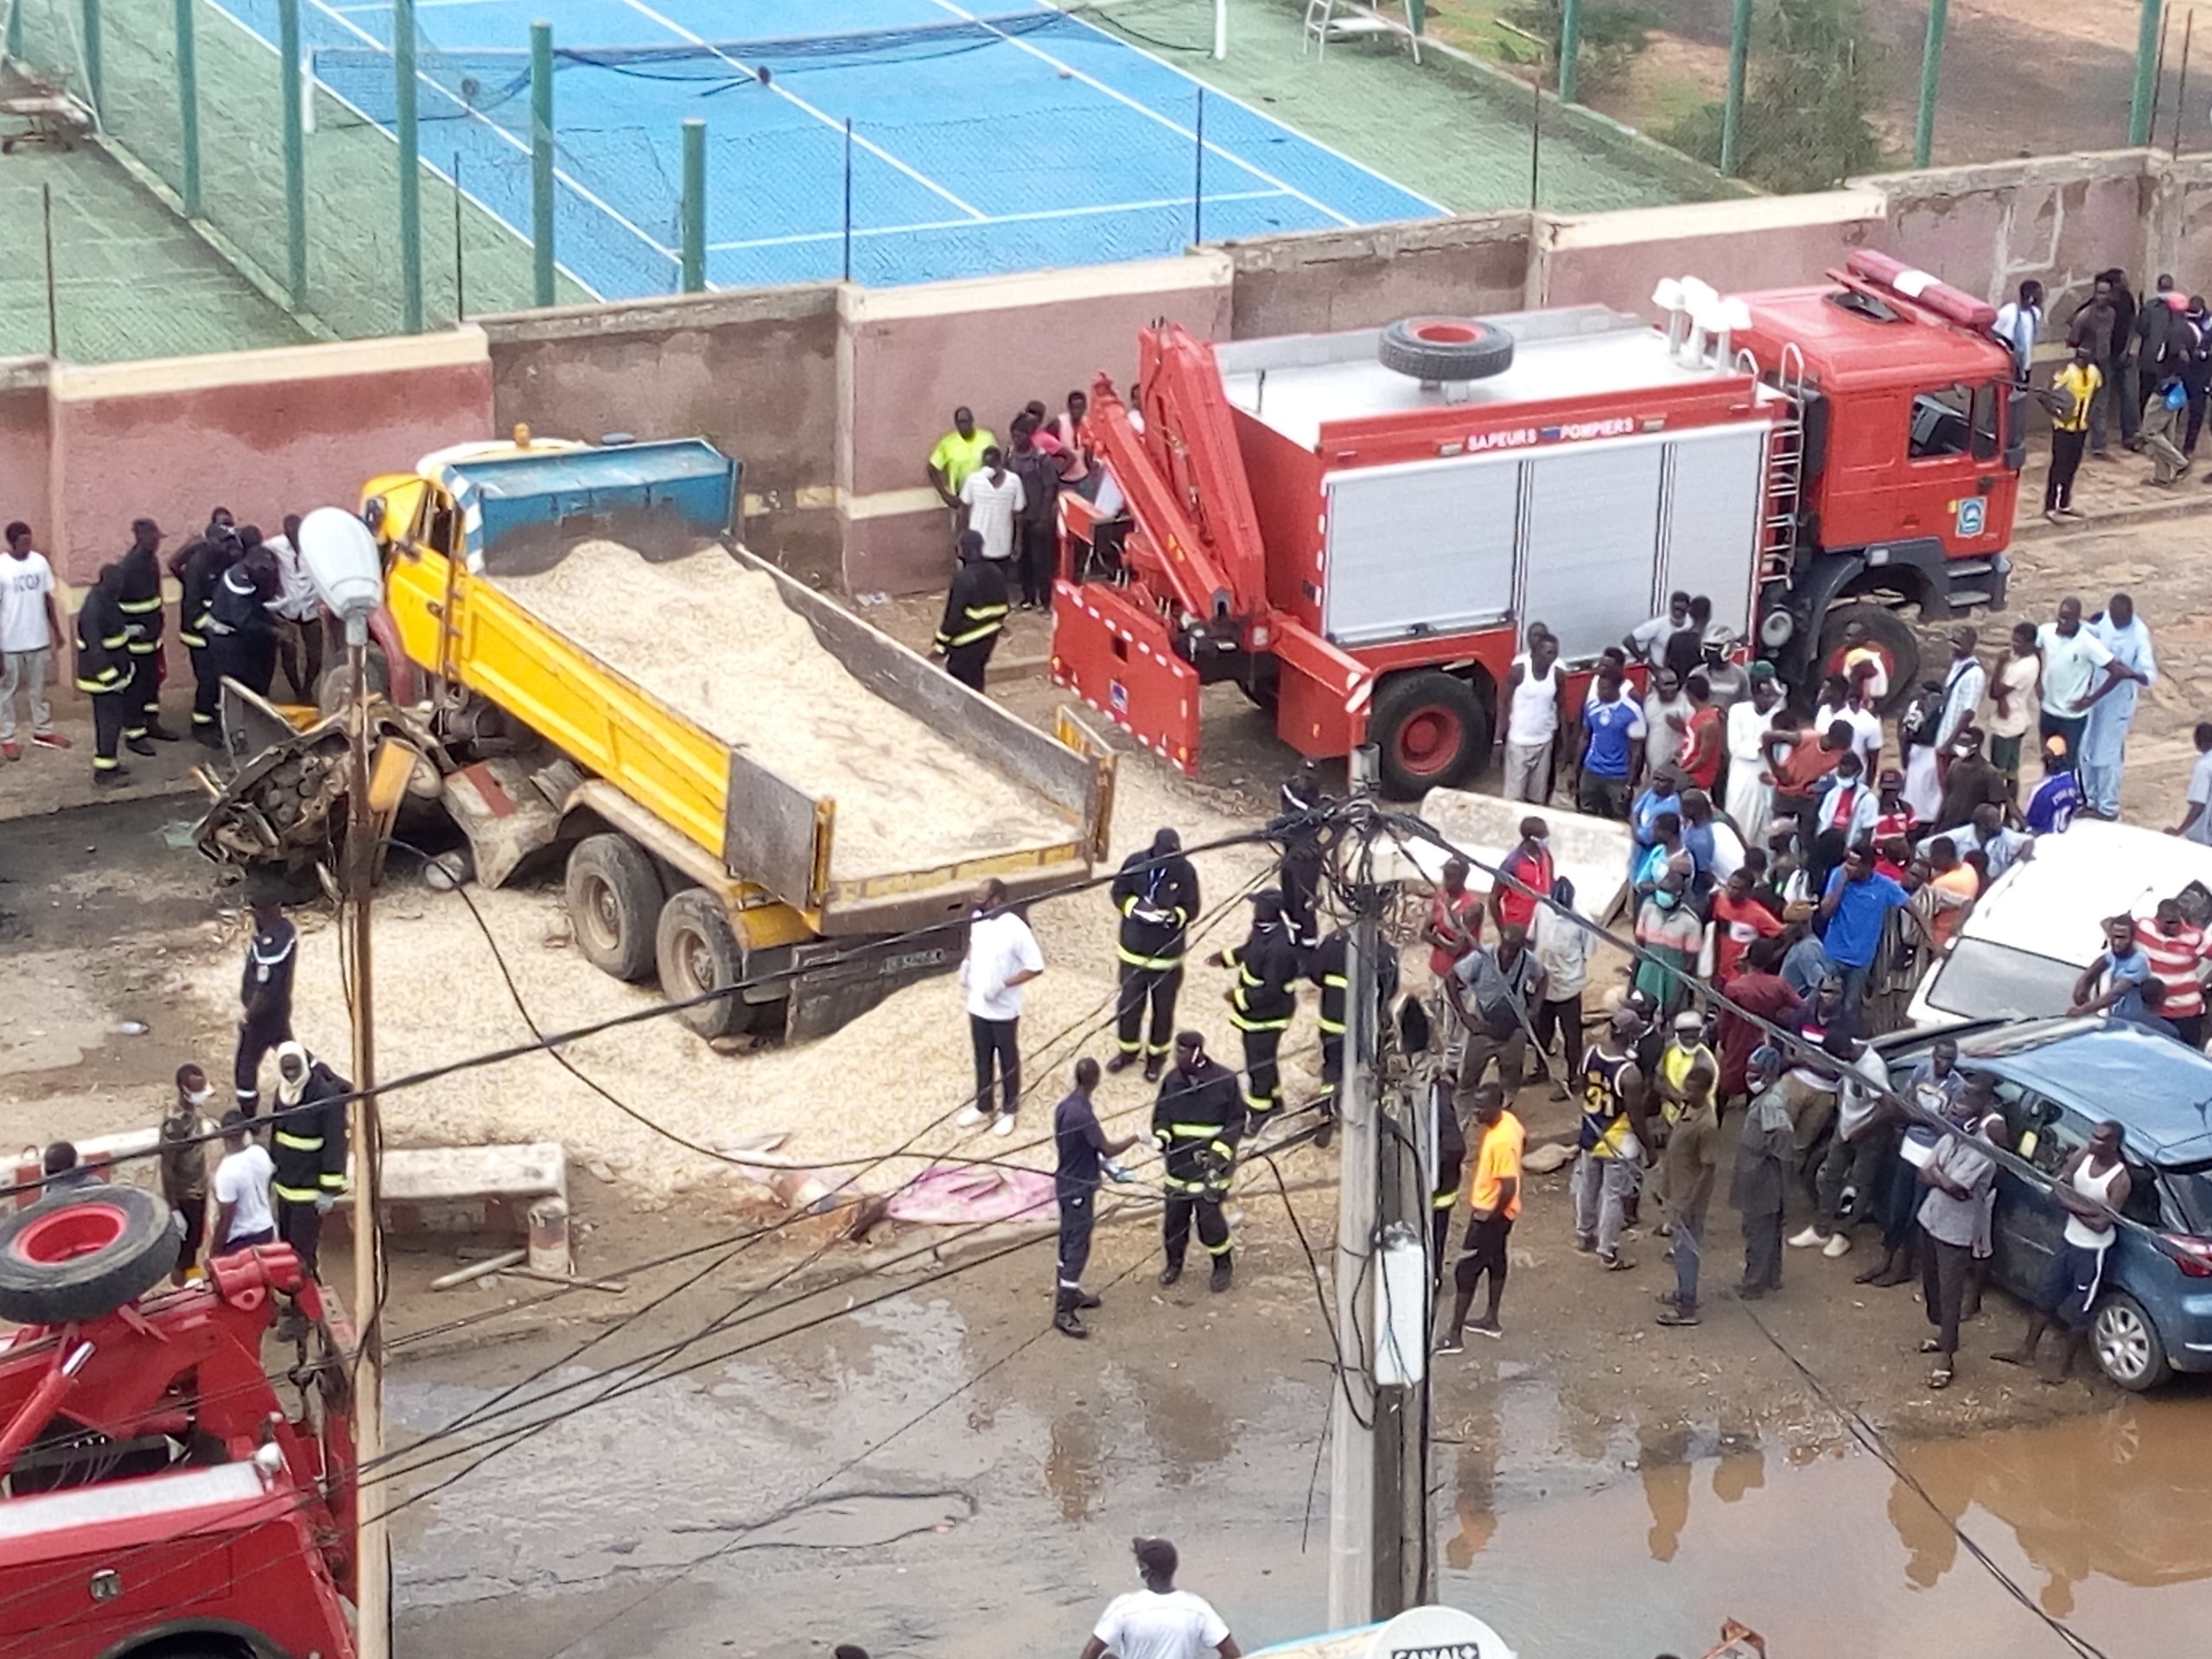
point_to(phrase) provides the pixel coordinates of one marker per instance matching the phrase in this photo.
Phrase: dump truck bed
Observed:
(809, 752)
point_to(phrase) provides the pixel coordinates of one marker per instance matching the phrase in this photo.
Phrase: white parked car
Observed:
(2030, 937)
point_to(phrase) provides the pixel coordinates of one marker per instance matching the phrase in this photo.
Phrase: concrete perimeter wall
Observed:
(833, 396)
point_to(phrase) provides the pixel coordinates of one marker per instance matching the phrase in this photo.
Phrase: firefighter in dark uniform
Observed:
(1197, 1120)
(265, 998)
(241, 637)
(141, 600)
(975, 611)
(105, 668)
(1156, 894)
(198, 566)
(307, 1144)
(1303, 848)
(1263, 1000)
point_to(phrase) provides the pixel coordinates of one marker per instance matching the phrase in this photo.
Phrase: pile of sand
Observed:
(855, 1093)
(715, 640)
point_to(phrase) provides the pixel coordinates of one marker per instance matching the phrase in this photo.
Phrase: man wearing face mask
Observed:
(1970, 781)
(184, 1165)
(1155, 895)
(308, 1145)
(1844, 817)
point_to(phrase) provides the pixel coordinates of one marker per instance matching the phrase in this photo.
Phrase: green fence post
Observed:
(13, 44)
(1931, 69)
(541, 163)
(188, 104)
(295, 155)
(410, 167)
(1732, 112)
(95, 79)
(1570, 47)
(2147, 58)
(695, 205)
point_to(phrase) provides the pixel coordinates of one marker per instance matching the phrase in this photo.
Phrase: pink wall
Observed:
(909, 357)
(24, 447)
(1616, 259)
(262, 433)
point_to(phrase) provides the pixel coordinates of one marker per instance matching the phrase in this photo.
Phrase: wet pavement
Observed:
(742, 1509)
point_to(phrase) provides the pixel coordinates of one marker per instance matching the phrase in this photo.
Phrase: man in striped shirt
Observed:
(2177, 952)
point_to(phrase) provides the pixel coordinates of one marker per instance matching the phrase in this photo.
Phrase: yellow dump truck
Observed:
(752, 788)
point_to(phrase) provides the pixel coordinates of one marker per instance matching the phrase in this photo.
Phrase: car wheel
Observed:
(2129, 1347)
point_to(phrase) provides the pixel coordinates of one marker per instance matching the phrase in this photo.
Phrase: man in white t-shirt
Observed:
(993, 499)
(243, 1215)
(30, 632)
(1002, 956)
(1159, 1621)
(2078, 669)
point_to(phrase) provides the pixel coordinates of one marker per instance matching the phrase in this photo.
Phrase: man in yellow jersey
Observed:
(1493, 1201)
(2071, 391)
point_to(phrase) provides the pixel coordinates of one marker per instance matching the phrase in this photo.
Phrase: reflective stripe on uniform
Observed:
(299, 1142)
(1244, 1021)
(295, 1194)
(1157, 965)
(333, 1182)
(1194, 1131)
(1221, 1249)
(1445, 1199)
(191, 641)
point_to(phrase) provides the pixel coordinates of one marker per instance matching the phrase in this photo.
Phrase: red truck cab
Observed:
(163, 1498)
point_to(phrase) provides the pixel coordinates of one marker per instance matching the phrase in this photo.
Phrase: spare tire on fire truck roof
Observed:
(1445, 348)
(83, 1252)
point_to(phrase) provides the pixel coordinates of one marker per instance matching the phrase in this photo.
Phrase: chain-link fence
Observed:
(1797, 95)
(155, 61)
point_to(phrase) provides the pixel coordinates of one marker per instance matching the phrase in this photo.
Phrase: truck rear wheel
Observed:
(1433, 731)
(82, 1254)
(1891, 636)
(614, 900)
(699, 953)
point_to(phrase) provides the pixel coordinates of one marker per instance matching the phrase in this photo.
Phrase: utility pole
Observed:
(373, 1550)
(1378, 1486)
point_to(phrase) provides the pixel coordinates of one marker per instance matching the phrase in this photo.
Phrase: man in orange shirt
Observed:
(1952, 889)
(1493, 1200)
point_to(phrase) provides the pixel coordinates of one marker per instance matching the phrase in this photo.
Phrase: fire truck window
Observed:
(1940, 422)
(1988, 400)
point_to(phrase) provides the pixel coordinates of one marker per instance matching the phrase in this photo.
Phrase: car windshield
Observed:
(1982, 980)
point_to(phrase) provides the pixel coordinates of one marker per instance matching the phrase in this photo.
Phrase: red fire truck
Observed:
(1358, 528)
(159, 1499)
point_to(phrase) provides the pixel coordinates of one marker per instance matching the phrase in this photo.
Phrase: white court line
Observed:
(998, 219)
(1352, 161)
(1172, 125)
(501, 132)
(422, 5)
(781, 91)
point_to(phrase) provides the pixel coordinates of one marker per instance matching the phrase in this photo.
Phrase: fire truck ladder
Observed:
(1785, 464)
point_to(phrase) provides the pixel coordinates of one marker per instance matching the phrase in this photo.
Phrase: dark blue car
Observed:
(2057, 1079)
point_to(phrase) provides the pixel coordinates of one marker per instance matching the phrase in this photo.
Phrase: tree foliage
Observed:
(1814, 87)
(1609, 36)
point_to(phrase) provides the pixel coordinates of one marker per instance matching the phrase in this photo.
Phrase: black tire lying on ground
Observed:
(1445, 348)
(83, 1252)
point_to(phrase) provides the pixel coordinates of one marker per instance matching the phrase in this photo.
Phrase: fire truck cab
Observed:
(1358, 529)
(158, 1499)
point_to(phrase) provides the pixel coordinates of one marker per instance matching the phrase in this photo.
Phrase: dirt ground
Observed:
(936, 1474)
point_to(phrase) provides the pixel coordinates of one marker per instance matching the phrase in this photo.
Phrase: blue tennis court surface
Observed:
(982, 141)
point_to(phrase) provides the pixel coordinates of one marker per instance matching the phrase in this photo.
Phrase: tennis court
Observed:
(981, 141)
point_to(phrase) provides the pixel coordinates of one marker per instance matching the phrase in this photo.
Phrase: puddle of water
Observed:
(2098, 1520)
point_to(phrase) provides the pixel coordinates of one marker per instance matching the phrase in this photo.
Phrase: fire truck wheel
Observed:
(1889, 634)
(1445, 348)
(81, 1254)
(699, 953)
(1432, 730)
(614, 898)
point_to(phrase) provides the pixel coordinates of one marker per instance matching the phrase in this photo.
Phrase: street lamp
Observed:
(348, 571)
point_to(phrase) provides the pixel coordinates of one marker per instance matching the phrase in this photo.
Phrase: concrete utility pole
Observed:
(1378, 1489)
(373, 1547)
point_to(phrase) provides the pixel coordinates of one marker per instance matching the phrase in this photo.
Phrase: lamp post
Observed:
(342, 562)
